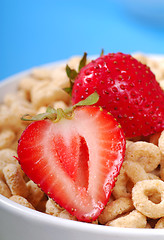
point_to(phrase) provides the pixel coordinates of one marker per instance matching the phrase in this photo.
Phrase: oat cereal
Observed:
(134, 219)
(137, 199)
(141, 194)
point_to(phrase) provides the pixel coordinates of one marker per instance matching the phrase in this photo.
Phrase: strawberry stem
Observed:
(62, 114)
(57, 115)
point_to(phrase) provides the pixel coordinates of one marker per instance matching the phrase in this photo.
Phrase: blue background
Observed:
(35, 32)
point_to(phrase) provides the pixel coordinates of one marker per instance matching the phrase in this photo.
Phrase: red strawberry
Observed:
(127, 88)
(74, 161)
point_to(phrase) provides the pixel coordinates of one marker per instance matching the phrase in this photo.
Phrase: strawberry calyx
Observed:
(72, 73)
(56, 115)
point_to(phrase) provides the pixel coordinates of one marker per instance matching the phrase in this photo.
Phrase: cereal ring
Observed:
(115, 208)
(162, 167)
(7, 136)
(53, 208)
(141, 57)
(45, 93)
(41, 73)
(147, 154)
(26, 84)
(21, 108)
(6, 157)
(161, 142)
(15, 181)
(35, 194)
(95, 222)
(59, 104)
(134, 219)
(161, 147)
(135, 171)
(156, 171)
(161, 83)
(22, 201)
(14, 97)
(160, 223)
(4, 190)
(9, 119)
(128, 142)
(19, 132)
(41, 110)
(158, 73)
(141, 194)
(120, 188)
(59, 77)
(66, 215)
(152, 176)
(154, 138)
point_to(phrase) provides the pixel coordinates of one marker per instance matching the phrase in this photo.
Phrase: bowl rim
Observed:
(15, 208)
(34, 215)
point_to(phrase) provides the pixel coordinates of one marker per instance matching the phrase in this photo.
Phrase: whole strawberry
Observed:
(127, 88)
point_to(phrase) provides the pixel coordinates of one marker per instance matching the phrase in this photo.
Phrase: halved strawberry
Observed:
(127, 88)
(76, 160)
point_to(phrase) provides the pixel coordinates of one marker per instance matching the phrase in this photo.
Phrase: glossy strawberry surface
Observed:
(75, 161)
(127, 88)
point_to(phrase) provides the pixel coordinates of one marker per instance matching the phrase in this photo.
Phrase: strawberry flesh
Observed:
(75, 162)
(127, 88)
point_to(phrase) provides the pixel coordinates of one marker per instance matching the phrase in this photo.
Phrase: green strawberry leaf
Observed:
(82, 62)
(38, 117)
(90, 100)
(71, 73)
(68, 90)
(102, 52)
(56, 115)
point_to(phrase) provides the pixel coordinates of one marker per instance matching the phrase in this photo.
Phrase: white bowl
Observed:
(21, 223)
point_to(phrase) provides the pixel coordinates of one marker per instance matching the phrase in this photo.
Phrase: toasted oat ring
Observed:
(134, 219)
(35, 194)
(154, 138)
(160, 223)
(140, 196)
(162, 167)
(161, 142)
(14, 180)
(147, 154)
(22, 201)
(4, 189)
(66, 215)
(53, 208)
(135, 171)
(161, 147)
(115, 208)
(120, 189)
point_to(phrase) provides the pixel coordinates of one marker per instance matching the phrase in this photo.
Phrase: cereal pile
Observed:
(137, 200)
